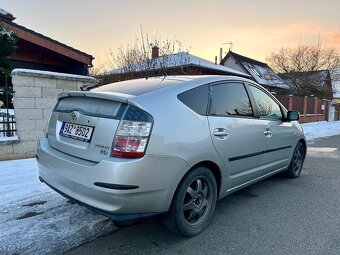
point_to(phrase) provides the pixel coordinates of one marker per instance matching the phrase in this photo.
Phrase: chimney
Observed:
(155, 52)
(221, 53)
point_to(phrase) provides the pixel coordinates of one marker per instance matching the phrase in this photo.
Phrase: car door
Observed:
(236, 134)
(279, 136)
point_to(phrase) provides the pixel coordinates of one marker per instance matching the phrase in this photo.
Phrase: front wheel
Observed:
(295, 167)
(193, 204)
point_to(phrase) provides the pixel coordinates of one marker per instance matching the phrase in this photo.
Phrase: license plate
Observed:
(77, 132)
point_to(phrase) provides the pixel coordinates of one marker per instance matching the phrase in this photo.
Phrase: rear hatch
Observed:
(83, 124)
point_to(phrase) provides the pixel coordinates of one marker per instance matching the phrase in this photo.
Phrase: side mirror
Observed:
(293, 115)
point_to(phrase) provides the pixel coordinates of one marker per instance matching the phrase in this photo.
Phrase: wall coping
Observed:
(53, 75)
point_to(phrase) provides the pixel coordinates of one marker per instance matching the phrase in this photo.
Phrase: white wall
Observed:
(34, 99)
(232, 63)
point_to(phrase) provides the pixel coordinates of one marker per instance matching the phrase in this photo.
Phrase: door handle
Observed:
(267, 132)
(221, 133)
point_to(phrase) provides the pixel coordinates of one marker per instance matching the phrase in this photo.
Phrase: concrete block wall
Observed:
(34, 99)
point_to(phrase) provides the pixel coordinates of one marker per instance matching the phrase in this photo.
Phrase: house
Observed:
(312, 83)
(181, 63)
(259, 71)
(37, 51)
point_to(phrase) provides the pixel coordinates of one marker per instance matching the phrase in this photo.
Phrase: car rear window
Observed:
(89, 106)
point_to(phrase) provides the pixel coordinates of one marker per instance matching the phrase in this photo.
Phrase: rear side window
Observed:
(196, 99)
(230, 99)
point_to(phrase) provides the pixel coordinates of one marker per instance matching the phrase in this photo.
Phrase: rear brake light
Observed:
(133, 134)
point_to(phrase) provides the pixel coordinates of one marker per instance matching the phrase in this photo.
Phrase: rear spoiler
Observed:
(119, 97)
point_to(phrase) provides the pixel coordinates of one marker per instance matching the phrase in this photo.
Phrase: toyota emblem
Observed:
(74, 116)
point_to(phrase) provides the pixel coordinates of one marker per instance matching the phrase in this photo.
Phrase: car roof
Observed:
(146, 85)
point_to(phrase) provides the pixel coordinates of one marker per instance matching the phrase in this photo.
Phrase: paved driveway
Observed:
(275, 216)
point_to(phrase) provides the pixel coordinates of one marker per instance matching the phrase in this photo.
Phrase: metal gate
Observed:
(7, 117)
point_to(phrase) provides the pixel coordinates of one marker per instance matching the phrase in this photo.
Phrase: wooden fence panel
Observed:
(310, 106)
(284, 99)
(298, 104)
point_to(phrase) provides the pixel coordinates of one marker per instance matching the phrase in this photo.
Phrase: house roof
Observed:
(6, 15)
(320, 76)
(319, 83)
(243, 59)
(260, 71)
(181, 59)
(47, 42)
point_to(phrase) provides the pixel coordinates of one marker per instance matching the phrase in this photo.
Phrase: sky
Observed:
(255, 27)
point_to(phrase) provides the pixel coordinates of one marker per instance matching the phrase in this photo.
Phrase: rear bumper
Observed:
(154, 180)
(124, 218)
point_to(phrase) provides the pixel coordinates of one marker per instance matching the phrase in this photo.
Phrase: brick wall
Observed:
(34, 98)
(311, 109)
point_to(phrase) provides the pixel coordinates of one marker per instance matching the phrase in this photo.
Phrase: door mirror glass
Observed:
(292, 115)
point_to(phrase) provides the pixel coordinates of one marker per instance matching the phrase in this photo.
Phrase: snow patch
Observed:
(320, 129)
(10, 111)
(36, 220)
(8, 138)
(47, 73)
(3, 12)
(174, 60)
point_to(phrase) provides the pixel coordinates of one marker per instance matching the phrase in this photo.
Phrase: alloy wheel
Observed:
(197, 200)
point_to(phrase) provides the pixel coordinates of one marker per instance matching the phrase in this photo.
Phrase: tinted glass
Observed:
(89, 106)
(267, 108)
(230, 99)
(196, 99)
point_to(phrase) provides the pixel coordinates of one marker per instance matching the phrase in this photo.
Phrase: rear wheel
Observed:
(193, 204)
(295, 167)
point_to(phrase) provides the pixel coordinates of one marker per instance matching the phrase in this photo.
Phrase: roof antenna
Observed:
(230, 45)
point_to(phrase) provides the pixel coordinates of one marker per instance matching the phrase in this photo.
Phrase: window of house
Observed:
(230, 99)
(266, 107)
(255, 70)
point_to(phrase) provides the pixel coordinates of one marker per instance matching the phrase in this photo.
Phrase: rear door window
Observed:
(230, 99)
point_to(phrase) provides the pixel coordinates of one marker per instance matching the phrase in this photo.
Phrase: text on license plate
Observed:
(74, 131)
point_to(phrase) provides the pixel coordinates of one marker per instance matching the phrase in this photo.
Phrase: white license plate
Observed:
(77, 132)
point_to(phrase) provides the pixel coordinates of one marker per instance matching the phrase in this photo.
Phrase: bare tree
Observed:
(308, 68)
(135, 60)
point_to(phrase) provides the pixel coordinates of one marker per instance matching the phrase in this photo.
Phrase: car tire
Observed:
(296, 164)
(193, 204)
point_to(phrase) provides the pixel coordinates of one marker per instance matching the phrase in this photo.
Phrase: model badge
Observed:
(74, 116)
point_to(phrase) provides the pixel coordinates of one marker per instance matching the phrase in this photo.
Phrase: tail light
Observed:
(133, 134)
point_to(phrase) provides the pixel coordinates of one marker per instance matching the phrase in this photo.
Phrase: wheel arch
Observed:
(304, 145)
(213, 167)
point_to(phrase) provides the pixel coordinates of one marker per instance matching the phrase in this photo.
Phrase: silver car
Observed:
(167, 147)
